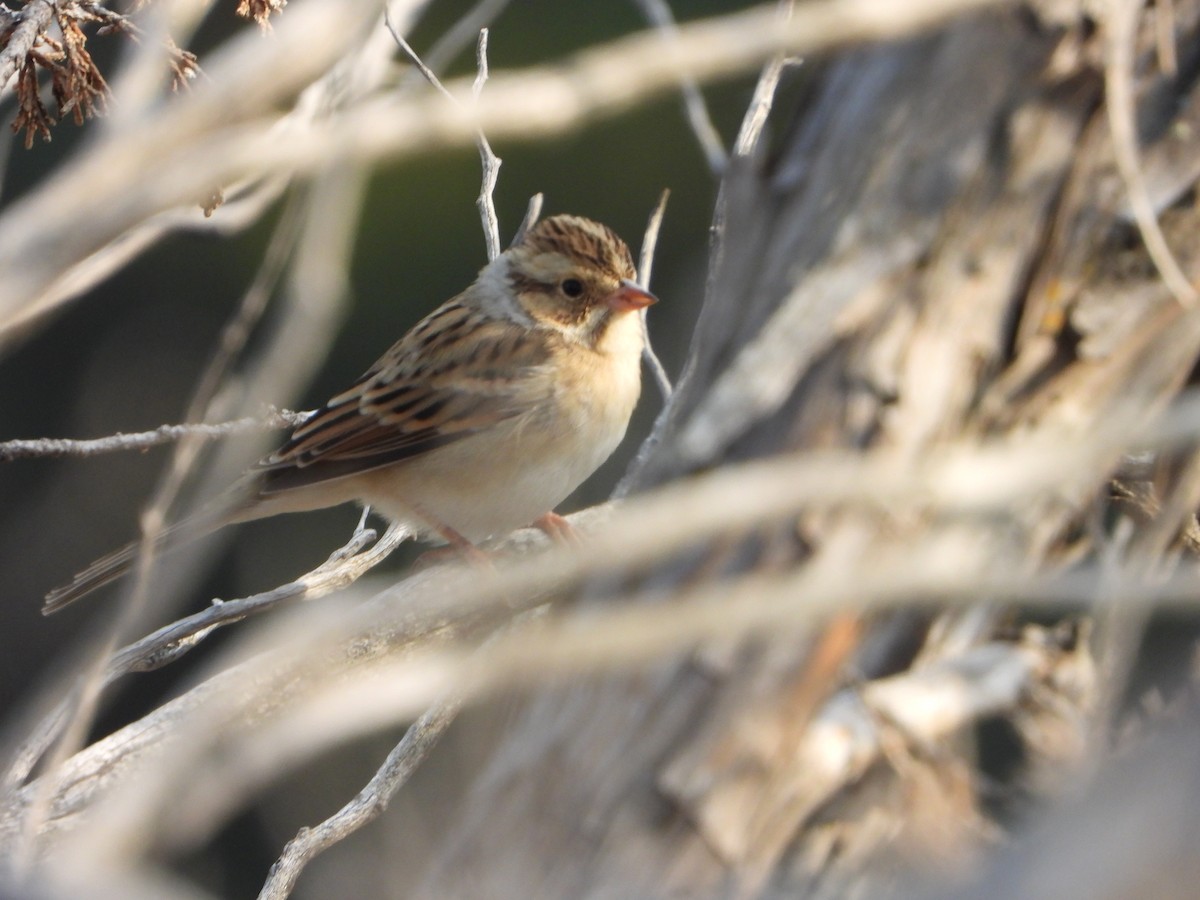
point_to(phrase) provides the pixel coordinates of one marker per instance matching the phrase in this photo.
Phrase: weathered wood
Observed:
(938, 250)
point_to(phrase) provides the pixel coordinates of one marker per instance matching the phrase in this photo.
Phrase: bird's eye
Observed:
(572, 287)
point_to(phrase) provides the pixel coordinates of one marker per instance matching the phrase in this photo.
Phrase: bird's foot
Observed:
(559, 530)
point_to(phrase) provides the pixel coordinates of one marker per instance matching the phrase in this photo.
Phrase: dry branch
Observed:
(931, 336)
(44, 448)
(212, 136)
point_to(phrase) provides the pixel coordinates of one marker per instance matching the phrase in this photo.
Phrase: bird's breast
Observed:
(507, 476)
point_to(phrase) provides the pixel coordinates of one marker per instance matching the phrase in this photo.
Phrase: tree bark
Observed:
(938, 248)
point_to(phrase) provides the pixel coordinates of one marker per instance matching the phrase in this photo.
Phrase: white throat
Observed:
(495, 296)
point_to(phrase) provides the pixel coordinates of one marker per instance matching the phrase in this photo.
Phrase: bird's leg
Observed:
(458, 545)
(558, 529)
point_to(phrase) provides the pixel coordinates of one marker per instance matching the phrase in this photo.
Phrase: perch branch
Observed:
(379, 684)
(345, 566)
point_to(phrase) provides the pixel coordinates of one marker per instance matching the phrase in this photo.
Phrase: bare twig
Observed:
(489, 160)
(48, 448)
(367, 805)
(319, 291)
(373, 799)
(527, 105)
(645, 265)
(344, 566)
(34, 18)
(759, 109)
(661, 379)
(1118, 82)
(465, 30)
(658, 13)
(532, 211)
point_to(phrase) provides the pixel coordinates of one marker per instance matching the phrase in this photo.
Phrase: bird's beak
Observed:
(629, 297)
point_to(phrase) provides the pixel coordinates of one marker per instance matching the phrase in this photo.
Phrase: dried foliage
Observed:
(260, 10)
(32, 117)
(78, 87)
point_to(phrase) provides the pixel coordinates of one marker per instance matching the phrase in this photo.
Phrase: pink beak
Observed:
(629, 297)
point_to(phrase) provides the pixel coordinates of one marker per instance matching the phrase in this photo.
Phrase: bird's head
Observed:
(576, 276)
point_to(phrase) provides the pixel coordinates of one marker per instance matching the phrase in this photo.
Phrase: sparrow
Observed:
(480, 420)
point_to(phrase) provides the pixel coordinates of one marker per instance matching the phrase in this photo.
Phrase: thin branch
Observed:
(192, 145)
(373, 799)
(645, 265)
(379, 684)
(647, 447)
(51, 448)
(489, 160)
(344, 566)
(35, 18)
(367, 805)
(463, 32)
(658, 13)
(759, 109)
(288, 354)
(1118, 84)
(532, 211)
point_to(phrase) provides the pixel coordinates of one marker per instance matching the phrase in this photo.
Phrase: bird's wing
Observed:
(458, 372)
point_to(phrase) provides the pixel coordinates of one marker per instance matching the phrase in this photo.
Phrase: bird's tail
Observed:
(114, 565)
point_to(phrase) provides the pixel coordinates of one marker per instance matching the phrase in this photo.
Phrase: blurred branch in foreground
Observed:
(884, 591)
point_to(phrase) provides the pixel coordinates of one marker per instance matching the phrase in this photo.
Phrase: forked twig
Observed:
(489, 160)
(367, 805)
